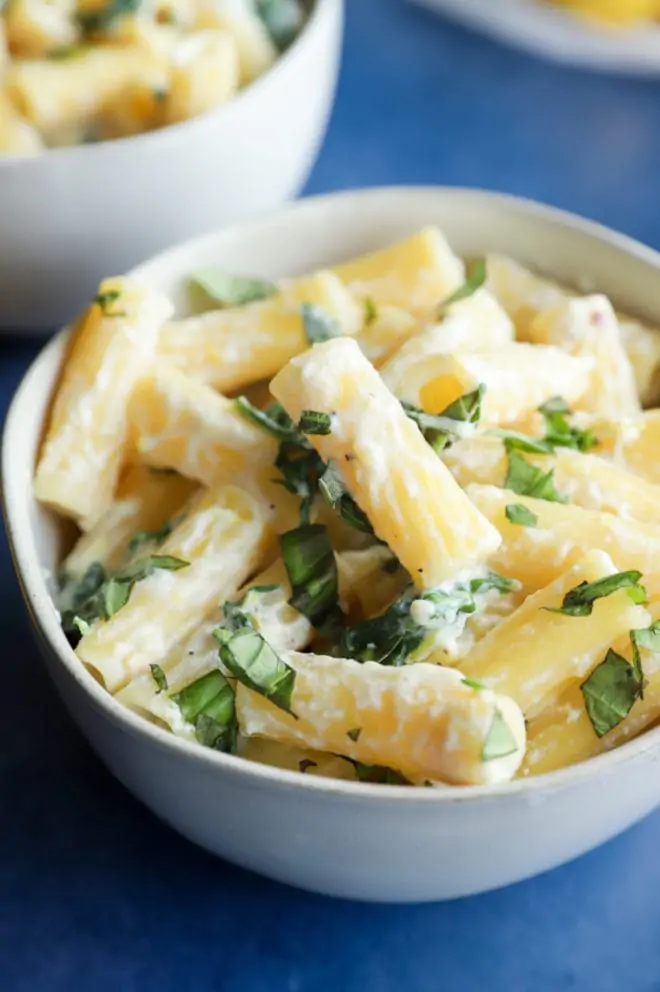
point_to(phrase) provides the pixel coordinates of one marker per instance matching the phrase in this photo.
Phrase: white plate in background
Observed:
(558, 34)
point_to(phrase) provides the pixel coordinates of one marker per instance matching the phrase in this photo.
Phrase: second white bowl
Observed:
(73, 215)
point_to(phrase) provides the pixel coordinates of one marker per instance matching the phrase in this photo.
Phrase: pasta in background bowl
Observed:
(570, 537)
(233, 128)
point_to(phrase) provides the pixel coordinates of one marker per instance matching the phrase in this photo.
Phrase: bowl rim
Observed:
(46, 622)
(251, 92)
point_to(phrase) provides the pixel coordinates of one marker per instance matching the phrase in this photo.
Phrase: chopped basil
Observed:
(378, 774)
(354, 734)
(301, 468)
(232, 291)
(319, 325)
(516, 513)
(499, 741)
(273, 419)
(474, 281)
(310, 564)
(81, 625)
(145, 537)
(315, 422)
(68, 52)
(559, 433)
(337, 496)
(79, 601)
(208, 703)
(472, 683)
(117, 590)
(513, 441)
(283, 20)
(250, 659)
(159, 677)
(646, 637)
(94, 21)
(527, 480)
(579, 602)
(370, 311)
(611, 691)
(307, 763)
(391, 638)
(105, 302)
(437, 428)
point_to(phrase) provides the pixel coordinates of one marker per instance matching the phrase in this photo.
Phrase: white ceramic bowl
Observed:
(344, 838)
(73, 215)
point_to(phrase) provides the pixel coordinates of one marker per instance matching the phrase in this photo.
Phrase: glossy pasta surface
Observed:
(397, 521)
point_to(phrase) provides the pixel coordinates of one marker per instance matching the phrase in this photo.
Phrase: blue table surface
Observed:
(97, 895)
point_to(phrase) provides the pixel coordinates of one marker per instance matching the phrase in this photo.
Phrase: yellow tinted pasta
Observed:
(409, 496)
(82, 454)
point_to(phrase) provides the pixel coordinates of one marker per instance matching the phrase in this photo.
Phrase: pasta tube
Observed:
(145, 501)
(522, 293)
(223, 538)
(203, 74)
(518, 378)
(369, 580)
(178, 423)
(36, 28)
(642, 345)
(415, 274)
(229, 349)
(533, 653)
(561, 536)
(82, 454)
(296, 759)
(385, 332)
(475, 323)
(586, 480)
(640, 445)
(588, 327)
(17, 136)
(256, 52)
(422, 720)
(62, 99)
(282, 625)
(412, 501)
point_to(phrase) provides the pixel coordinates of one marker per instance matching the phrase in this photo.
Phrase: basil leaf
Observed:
(474, 281)
(527, 480)
(516, 513)
(579, 602)
(370, 311)
(337, 496)
(319, 325)
(513, 441)
(559, 433)
(388, 639)
(115, 595)
(354, 734)
(208, 703)
(472, 683)
(145, 537)
(315, 422)
(437, 428)
(310, 564)
(648, 637)
(159, 677)
(93, 21)
(105, 301)
(274, 418)
(232, 291)
(81, 625)
(499, 741)
(466, 408)
(610, 692)
(117, 590)
(378, 774)
(493, 580)
(250, 659)
(283, 20)
(67, 52)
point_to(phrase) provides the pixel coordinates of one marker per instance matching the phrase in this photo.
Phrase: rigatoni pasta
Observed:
(391, 522)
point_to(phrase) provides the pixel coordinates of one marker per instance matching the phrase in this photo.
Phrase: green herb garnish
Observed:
(117, 590)
(274, 418)
(474, 281)
(472, 683)
(579, 602)
(145, 537)
(315, 422)
(370, 311)
(310, 564)
(559, 433)
(301, 468)
(232, 291)
(516, 513)
(105, 302)
(437, 428)
(95, 21)
(208, 703)
(283, 20)
(611, 691)
(499, 741)
(527, 480)
(337, 496)
(354, 734)
(249, 658)
(319, 325)
(159, 677)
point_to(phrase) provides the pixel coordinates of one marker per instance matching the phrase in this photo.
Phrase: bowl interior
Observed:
(307, 235)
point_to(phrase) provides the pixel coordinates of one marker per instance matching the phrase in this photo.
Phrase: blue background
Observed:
(95, 894)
